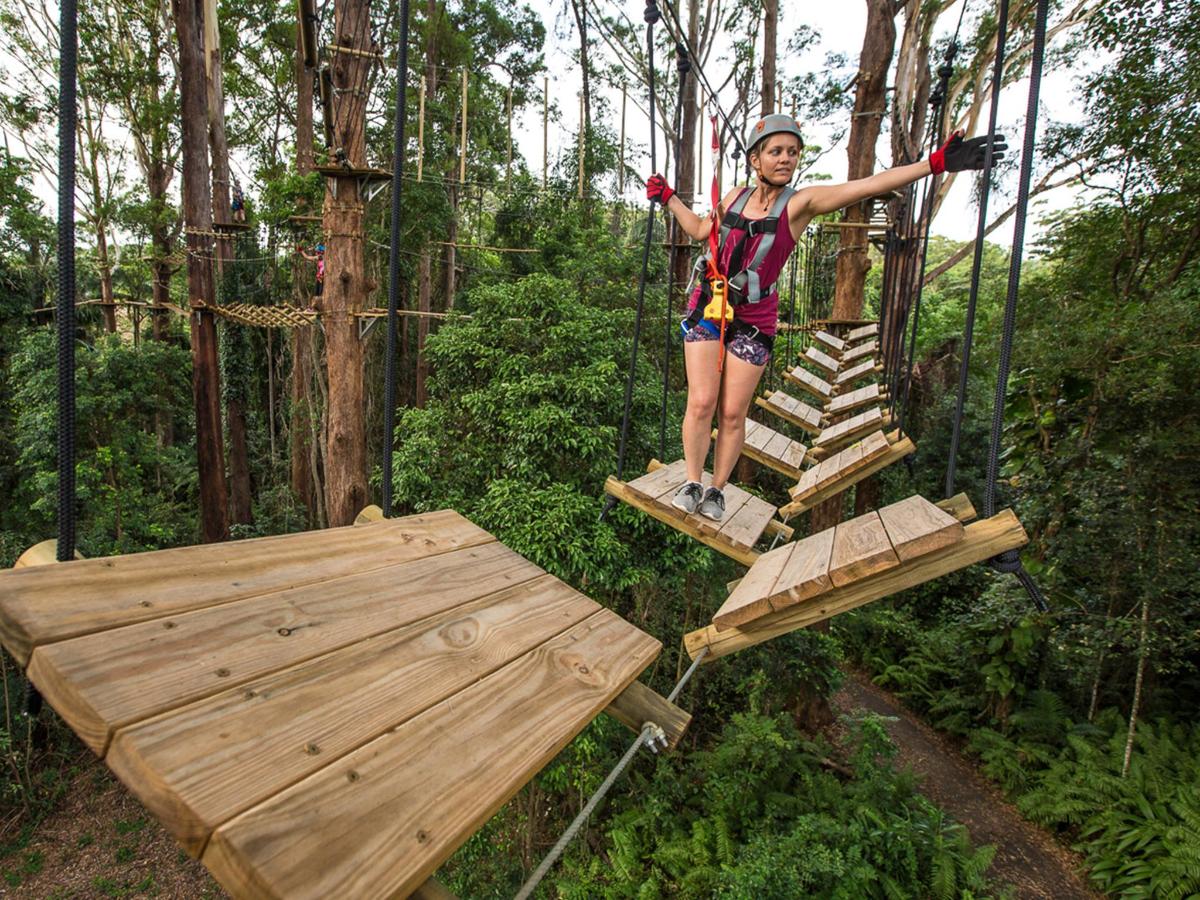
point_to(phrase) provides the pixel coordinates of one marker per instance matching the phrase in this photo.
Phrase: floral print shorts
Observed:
(747, 348)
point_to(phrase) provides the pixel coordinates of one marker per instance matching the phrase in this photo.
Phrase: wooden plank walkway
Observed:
(865, 369)
(845, 469)
(822, 361)
(747, 518)
(805, 380)
(860, 352)
(860, 560)
(772, 449)
(847, 403)
(831, 342)
(862, 333)
(323, 714)
(806, 418)
(846, 432)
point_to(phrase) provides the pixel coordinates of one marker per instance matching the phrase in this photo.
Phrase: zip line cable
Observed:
(389, 391)
(651, 15)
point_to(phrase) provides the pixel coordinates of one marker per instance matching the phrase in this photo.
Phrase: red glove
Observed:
(658, 189)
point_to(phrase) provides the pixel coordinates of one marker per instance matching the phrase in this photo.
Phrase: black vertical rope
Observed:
(651, 16)
(977, 264)
(938, 102)
(389, 403)
(1010, 561)
(68, 53)
(683, 66)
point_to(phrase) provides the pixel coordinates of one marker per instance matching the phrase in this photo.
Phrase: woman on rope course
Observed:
(745, 261)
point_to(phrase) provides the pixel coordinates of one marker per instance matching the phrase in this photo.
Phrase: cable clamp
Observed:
(656, 738)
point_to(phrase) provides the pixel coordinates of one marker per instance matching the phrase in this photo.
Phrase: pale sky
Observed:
(841, 28)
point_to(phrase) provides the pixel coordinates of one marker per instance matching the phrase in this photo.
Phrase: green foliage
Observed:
(758, 815)
(133, 494)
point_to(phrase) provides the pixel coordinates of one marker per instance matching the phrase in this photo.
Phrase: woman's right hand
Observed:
(658, 190)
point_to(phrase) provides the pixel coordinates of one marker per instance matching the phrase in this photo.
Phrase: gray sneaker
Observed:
(687, 497)
(713, 504)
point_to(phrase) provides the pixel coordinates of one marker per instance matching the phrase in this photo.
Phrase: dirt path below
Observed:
(1027, 858)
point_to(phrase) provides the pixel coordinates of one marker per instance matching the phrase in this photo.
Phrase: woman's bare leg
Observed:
(737, 390)
(704, 384)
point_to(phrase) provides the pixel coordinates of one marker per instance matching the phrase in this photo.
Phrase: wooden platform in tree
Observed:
(812, 384)
(747, 518)
(823, 361)
(846, 468)
(324, 714)
(862, 333)
(788, 408)
(840, 569)
(367, 174)
(772, 449)
(849, 402)
(232, 226)
(832, 343)
(846, 432)
(843, 381)
(862, 351)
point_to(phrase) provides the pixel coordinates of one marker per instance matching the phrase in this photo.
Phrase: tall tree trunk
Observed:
(345, 281)
(450, 260)
(1139, 680)
(104, 268)
(197, 215)
(770, 30)
(235, 412)
(305, 160)
(853, 261)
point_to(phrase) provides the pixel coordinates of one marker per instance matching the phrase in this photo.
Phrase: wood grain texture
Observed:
(854, 373)
(863, 332)
(806, 573)
(892, 453)
(916, 527)
(850, 429)
(860, 548)
(845, 403)
(198, 767)
(638, 704)
(749, 600)
(379, 821)
(44, 604)
(805, 380)
(983, 540)
(822, 361)
(800, 414)
(101, 682)
(859, 352)
(833, 343)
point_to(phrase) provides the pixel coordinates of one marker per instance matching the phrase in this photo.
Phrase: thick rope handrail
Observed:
(682, 65)
(651, 16)
(1011, 561)
(977, 262)
(389, 378)
(647, 735)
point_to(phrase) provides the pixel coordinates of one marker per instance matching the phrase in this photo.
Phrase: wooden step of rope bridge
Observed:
(772, 449)
(859, 352)
(837, 345)
(845, 379)
(862, 333)
(811, 384)
(835, 437)
(823, 361)
(846, 468)
(848, 402)
(747, 518)
(858, 562)
(328, 713)
(805, 417)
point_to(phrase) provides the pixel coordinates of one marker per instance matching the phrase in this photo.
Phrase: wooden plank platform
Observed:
(846, 432)
(845, 469)
(849, 402)
(805, 380)
(322, 714)
(865, 369)
(831, 342)
(805, 417)
(862, 333)
(822, 361)
(860, 352)
(772, 449)
(747, 518)
(842, 567)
